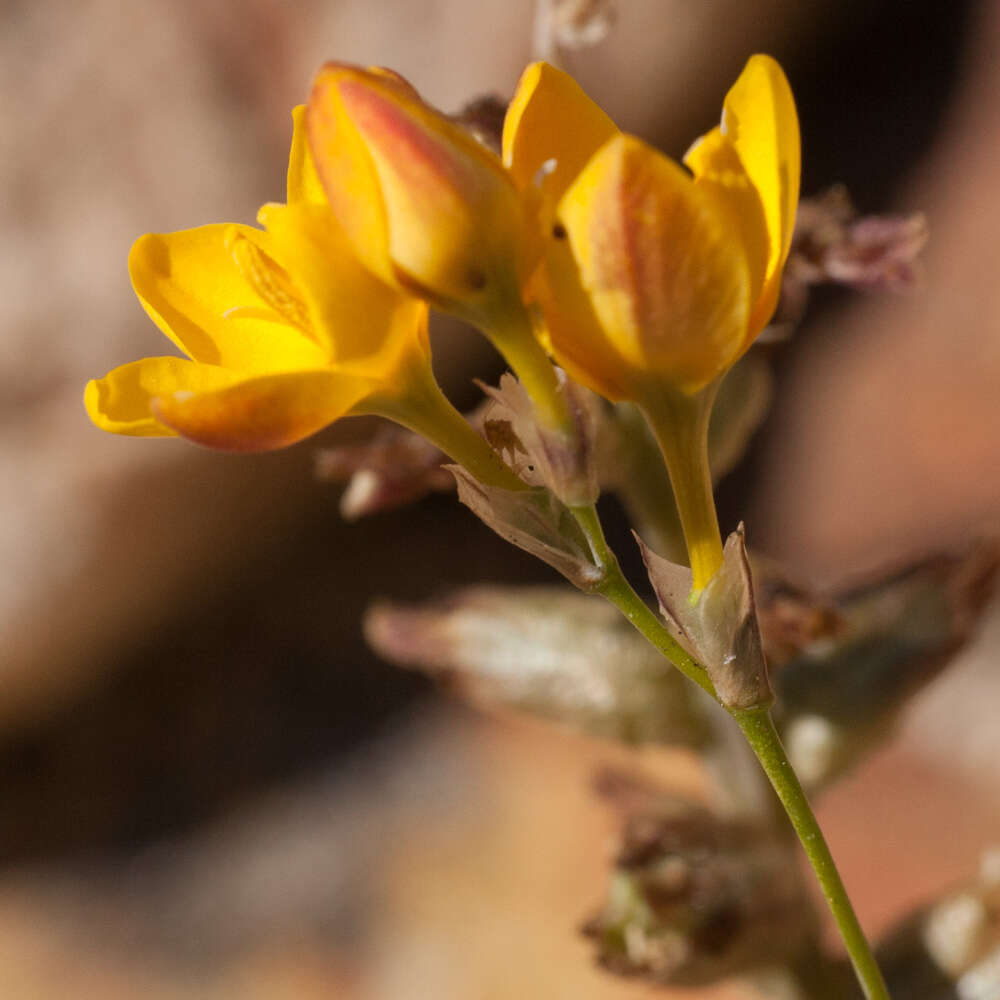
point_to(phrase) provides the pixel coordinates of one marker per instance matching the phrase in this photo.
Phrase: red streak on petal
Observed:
(425, 161)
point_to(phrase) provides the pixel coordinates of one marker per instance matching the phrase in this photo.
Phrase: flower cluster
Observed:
(644, 279)
(641, 273)
(580, 246)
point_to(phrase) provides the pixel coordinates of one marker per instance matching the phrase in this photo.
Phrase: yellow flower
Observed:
(654, 277)
(425, 205)
(285, 329)
(654, 280)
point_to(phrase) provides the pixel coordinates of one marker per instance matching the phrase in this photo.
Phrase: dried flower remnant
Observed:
(834, 244)
(795, 620)
(548, 651)
(483, 119)
(394, 468)
(695, 898)
(950, 948)
(839, 696)
(579, 24)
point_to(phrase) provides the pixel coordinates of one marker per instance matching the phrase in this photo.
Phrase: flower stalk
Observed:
(760, 732)
(614, 587)
(513, 336)
(423, 408)
(680, 426)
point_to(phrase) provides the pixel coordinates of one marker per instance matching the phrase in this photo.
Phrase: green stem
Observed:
(514, 337)
(616, 589)
(421, 406)
(761, 734)
(680, 426)
(642, 484)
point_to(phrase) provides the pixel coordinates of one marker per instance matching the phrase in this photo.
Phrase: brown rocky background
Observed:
(207, 787)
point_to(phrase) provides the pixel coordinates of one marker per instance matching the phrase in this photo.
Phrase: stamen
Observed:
(269, 280)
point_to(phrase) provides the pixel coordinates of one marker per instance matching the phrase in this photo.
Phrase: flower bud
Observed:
(426, 207)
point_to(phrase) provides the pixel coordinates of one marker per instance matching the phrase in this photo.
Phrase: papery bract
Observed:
(720, 628)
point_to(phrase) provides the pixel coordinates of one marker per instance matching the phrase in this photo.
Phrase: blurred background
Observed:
(208, 787)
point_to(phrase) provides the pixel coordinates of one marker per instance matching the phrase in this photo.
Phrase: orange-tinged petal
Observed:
(570, 330)
(346, 170)
(453, 219)
(550, 118)
(262, 413)
(668, 282)
(760, 122)
(121, 401)
(303, 182)
(454, 215)
(199, 294)
(355, 313)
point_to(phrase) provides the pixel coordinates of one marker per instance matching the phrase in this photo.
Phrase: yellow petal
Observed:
(263, 413)
(719, 171)
(760, 122)
(346, 170)
(197, 293)
(571, 332)
(454, 222)
(406, 346)
(354, 312)
(667, 278)
(551, 119)
(121, 401)
(303, 182)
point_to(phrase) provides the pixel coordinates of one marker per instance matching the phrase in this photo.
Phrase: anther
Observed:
(269, 280)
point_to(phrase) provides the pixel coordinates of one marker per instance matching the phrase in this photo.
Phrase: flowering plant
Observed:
(647, 281)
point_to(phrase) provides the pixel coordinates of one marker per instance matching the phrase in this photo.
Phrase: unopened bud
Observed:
(426, 206)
